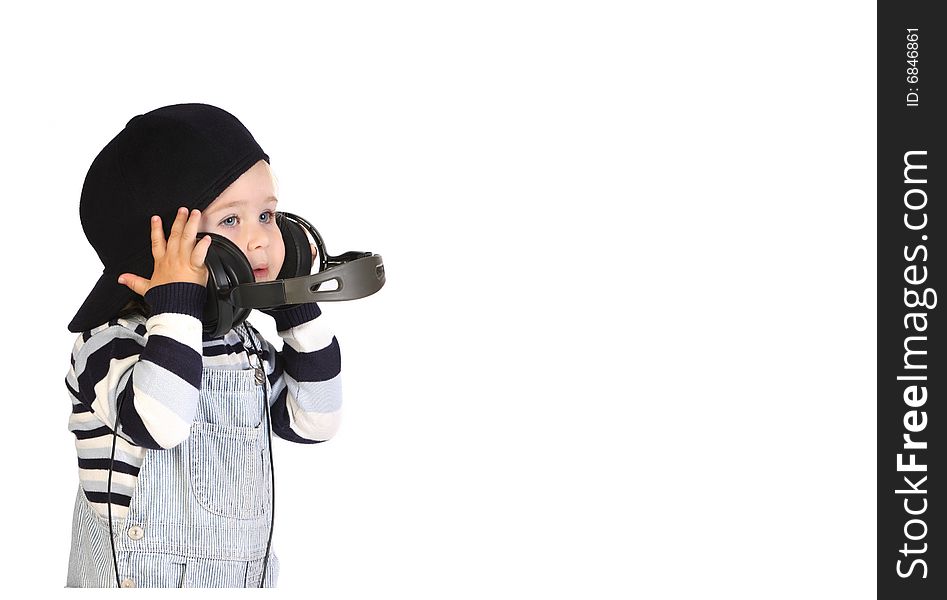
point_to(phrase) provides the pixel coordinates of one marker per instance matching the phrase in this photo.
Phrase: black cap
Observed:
(173, 156)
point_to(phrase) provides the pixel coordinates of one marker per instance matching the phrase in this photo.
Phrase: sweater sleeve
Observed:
(305, 379)
(151, 378)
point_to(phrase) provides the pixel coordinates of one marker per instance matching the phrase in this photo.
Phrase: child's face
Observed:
(245, 214)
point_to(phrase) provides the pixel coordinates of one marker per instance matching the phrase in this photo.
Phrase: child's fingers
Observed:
(137, 284)
(177, 230)
(199, 254)
(157, 238)
(189, 234)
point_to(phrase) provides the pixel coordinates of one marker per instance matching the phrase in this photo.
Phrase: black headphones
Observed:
(232, 291)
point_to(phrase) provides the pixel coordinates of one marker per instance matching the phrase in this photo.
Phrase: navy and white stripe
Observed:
(152, 369)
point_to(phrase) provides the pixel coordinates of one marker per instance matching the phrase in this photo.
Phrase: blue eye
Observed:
(266, 217)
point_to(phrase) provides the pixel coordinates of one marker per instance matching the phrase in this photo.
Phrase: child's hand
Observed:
(314, 253)
(181, 258)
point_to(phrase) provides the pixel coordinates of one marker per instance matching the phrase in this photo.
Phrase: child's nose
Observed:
(258, 238)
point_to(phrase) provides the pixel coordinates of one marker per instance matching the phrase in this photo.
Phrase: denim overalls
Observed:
(200, 513)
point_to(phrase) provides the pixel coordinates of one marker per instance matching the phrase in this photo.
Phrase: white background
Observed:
(627, 343)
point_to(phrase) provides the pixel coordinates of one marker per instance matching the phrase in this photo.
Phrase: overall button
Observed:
(136, 532)
(128, 582)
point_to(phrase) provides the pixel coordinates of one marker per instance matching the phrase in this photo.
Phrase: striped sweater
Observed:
(152, 369)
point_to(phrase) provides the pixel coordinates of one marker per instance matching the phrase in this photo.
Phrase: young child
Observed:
(191, 475)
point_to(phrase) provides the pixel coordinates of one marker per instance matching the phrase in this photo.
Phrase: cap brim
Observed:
(103, 302)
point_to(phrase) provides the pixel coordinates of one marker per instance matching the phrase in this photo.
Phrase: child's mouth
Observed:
(260, 273)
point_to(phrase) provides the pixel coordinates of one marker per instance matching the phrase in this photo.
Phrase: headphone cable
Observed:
(269, 430)
(108, 498)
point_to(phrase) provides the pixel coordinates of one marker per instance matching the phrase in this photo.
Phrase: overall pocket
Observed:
(227, 471)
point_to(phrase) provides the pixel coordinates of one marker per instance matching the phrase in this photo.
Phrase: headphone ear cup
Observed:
(227, 268)
(298, 259)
